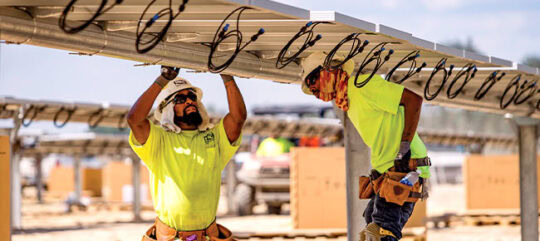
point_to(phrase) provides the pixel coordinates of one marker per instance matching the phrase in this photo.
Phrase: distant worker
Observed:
(274, 146)
(386, 116)
(185, 155)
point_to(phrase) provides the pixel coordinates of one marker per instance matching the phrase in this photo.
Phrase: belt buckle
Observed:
(192, 237)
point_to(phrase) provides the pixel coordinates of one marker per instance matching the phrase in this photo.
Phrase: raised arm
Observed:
(234, 120)
(412, 104)
(136, 118)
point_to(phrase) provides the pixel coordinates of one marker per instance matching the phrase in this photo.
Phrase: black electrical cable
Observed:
(356, 48)
(374, 55)
(514, 82)
(100, 114)
(440, 66)
(310, 40)
(26, 113)
(34, 110)
(71, 30)
(531, 89)
(69, 114)
(488, 83)
(144, 46)
(223, 33)
(411, 57)
(465, 71)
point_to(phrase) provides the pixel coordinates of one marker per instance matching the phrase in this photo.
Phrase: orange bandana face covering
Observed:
(333, 86)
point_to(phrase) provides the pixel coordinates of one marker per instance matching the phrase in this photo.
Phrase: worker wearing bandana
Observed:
(185, 155)
(386, 116)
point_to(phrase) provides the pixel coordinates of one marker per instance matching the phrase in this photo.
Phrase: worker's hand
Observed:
(169, 73)
(404, 151)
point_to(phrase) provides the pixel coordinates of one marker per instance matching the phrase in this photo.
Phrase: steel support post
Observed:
(39, 177)
(231, 184)
(77, 178)
(136, 175)
(14, 171)
(528, 178)
(357, 163)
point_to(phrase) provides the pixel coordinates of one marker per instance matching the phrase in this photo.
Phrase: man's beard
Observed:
(193, 118)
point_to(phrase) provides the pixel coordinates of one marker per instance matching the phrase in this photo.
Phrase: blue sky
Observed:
(505, 29)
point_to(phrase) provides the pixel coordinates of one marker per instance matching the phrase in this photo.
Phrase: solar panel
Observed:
(187, 40)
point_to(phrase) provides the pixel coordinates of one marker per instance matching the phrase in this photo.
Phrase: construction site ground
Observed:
(50, 222)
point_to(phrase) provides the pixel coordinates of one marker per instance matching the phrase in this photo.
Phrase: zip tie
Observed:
(105, 43)
(34, 31)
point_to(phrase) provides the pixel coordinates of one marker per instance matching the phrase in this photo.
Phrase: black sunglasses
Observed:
(181, 98)
(313, 76)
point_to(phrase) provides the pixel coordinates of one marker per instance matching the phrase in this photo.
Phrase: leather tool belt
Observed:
(387, 185)
(162, 232)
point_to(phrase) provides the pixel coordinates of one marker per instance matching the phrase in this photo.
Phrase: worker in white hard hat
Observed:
(185, 155)
(386, 116)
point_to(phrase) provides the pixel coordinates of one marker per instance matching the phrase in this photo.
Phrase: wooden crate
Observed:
(492, 182)
(61, 181)
(318, 190)
(117, 181)
(5, 233)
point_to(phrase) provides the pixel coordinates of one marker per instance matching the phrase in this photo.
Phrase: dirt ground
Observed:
(49, 222)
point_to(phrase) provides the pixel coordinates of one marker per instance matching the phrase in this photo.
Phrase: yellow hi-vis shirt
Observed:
(185, 173)
(375, 112)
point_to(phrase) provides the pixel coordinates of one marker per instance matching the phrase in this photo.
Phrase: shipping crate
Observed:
(318, 190)
(492, 182)
(117, 183)
(5, 226)
(61, 181)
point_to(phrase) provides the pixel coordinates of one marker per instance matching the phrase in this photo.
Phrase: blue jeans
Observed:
(389, 216)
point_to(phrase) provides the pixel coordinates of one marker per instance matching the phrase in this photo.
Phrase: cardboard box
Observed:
(117, 183)
(318, 190)
(92, 181)
(61, 181)
(492, 182)
(5, 214)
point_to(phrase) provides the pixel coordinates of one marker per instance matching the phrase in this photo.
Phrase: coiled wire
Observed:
(356, 48)
(72, 30)
(69, 112)
(491, 80)
(411, 57)
(223, 33)
(310, 40)
(374, 55)
(531, 89)
(464, 72)
(143, 46)
(439, 67)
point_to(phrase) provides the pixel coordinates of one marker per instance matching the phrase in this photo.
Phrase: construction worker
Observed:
(385, 115)
(185, 155)
(273, 146)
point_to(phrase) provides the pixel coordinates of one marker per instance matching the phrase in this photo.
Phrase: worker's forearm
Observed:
(237, 107)
(412, 117)
(139, 111)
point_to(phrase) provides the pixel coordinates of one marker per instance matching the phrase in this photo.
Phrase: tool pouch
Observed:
(366, 188)
(150, 234)
(395, 192)
(160, 232)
